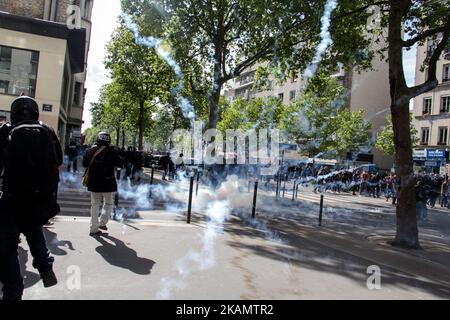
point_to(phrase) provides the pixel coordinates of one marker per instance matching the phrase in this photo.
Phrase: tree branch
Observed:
(358, 10)
(424, 35)
(432, 82)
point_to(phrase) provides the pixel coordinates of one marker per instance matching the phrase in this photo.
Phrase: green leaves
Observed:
(320, 120)
(385, 138)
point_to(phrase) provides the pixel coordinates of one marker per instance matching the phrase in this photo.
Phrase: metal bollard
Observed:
(153, 173)
(198, 182)
(191, 187)
(284, 187)
(296, 191)
(278, 187)
(293, 192)
(255, 193)
(321, 209)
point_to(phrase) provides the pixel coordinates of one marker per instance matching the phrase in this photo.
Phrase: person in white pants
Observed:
(101, 205)
(100, 162)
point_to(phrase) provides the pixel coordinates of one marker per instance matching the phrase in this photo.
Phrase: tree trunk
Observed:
(407, 234)
(214, 108)
(141, 124)
(117, 137)
(123, 138)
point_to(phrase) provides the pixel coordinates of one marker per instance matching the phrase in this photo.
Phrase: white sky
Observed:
(104, 20)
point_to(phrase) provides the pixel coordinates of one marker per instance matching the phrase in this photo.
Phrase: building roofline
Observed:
(76, 38)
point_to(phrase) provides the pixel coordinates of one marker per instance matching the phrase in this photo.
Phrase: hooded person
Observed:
(30, 156)
(100, 162)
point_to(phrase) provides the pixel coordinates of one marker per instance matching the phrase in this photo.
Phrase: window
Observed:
(431, 46)
(443, 131)
(445, 104)
(18, 71)
(446, 73)
(425, 135)
(294, 79)
(427, 105)
(5, 59)
(281, 96)
(246, 78)
(86, 5)
(78, 94)
(291, 95)
(50, 13)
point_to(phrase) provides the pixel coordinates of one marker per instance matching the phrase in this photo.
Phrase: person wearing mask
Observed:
(100, 162)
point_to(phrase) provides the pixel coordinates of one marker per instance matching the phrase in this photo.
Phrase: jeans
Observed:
(10, 274)
(72, 163)
(97, 199)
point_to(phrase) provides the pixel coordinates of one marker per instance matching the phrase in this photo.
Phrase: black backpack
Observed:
(32, 173)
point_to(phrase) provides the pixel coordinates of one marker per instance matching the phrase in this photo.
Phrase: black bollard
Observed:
(255, 193)
(153, 173)
(278, 187)
(191, 187)
(293, 192)
(284, 187)
(321, 209)
(296, 191)
(198, 182)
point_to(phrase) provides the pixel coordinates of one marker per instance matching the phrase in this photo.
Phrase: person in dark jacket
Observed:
(72, 153)
(100, 161)
(28, 189)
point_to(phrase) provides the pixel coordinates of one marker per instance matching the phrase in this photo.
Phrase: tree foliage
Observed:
(320, 120)
(385, 138)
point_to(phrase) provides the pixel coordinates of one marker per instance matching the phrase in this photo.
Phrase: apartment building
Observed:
(368, 91)
(432, 112)
(44, 46)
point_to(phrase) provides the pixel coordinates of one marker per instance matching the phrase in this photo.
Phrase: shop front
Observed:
(430, 160)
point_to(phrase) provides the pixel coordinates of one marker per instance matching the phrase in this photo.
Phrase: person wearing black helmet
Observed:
(100, 162)
(30, 157)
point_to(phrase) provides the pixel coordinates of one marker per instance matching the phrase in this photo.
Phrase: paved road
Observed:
(280, 255)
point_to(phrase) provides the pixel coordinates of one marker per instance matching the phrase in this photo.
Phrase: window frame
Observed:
(442, 141)
(422, 130)
(38, 55)
(446, 79)
(442, 110)
(425, 106)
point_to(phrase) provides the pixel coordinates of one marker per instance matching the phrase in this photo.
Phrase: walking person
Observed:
(100, 162)
(30, 157)
(72, 154)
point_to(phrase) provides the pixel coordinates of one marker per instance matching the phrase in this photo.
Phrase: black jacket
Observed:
(101, 173)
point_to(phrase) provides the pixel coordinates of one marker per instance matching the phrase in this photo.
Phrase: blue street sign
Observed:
(435, 153)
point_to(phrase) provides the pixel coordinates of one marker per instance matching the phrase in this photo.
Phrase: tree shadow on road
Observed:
(284, 242)
(119, 255)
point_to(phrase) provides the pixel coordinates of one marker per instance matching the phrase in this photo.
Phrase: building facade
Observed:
(432, 112)
(44, 46)
(368, 91)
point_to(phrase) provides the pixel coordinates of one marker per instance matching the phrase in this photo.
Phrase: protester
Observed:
(30, 157)
(100, 162)
(72, 154)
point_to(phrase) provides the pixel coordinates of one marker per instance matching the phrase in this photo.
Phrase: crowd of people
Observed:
(431, 188)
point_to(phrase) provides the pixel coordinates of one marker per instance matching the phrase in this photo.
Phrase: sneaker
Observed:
(97, 233)
(49, 279)
(103, 228)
